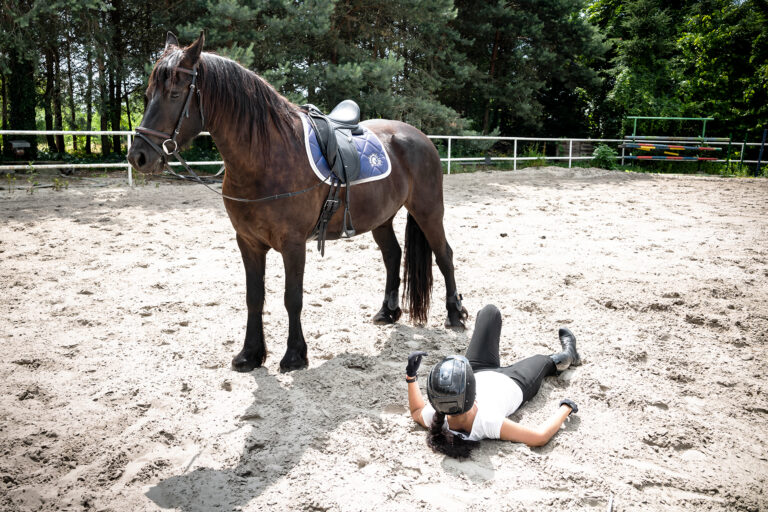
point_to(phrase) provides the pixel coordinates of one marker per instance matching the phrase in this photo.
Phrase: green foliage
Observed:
(536, 153)
(531, 68)
(10, 180)
(391, 57)
(139, 178)
(59, 185)
(604, 157)
(725, 61)
(688, 58)
(32, 181)
(531, 62)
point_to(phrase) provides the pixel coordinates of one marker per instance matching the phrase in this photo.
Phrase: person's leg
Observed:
(529, 373)
(483, 350)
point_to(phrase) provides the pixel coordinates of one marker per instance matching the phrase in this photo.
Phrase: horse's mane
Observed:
(233, 95)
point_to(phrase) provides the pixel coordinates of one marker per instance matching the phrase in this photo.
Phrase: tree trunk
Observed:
(47, 97)
(88, 98)
(106, 142)
(491, 72)
(118, 109)
(58, 118)
(115, 82)
(72, 112)
(128, 108)
(22, 96)
(110, 113)
(4, 92)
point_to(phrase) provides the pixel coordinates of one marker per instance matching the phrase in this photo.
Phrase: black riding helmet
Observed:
(451, 385)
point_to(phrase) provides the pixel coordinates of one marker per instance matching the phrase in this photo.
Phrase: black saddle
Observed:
(335, 136)
(348, 113)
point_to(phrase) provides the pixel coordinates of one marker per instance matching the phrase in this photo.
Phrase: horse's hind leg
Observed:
(385, 238)
(431, 224)
(254, 350)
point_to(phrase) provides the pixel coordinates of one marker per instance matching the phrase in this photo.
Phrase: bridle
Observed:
(162, 149)
(165, 151)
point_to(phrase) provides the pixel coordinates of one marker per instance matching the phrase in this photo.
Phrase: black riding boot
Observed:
(569, 356)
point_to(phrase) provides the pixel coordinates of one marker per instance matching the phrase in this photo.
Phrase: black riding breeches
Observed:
(483, 355)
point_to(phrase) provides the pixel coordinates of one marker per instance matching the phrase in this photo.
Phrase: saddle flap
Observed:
(337, 145)
(350, 157)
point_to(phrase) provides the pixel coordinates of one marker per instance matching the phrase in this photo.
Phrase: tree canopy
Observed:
(527, 67)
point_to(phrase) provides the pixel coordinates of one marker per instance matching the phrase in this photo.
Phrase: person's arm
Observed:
(415, 402)
(511, 431)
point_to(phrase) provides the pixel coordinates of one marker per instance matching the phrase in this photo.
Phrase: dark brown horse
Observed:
(259, 134)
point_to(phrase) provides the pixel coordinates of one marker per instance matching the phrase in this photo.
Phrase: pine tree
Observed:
(533, 59)
(18, 56)
(390, 57)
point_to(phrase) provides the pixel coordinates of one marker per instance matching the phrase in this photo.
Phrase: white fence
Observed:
(449, 158)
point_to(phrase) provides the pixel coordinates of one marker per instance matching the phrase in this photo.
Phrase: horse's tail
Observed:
(417, 274)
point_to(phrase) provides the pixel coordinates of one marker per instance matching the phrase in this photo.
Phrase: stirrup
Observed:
(348, 230)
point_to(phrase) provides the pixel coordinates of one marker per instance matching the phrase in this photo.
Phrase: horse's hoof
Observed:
(387, 316)
(247, 361)
(456, 319)
(293, 362)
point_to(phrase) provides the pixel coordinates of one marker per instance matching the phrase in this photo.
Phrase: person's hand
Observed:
(414, 361)
(570, 403)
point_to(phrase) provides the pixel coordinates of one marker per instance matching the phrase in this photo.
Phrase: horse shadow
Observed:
(287, 419)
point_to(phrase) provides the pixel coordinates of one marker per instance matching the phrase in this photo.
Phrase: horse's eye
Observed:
(175, 95)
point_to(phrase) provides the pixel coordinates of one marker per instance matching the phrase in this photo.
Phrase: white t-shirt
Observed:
(497, 397)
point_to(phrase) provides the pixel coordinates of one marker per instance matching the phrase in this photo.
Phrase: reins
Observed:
(163, 148)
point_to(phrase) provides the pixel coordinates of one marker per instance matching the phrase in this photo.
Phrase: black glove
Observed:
(570, 403)
(414, 361)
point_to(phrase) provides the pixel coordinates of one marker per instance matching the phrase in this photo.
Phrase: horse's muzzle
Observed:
(141, 159)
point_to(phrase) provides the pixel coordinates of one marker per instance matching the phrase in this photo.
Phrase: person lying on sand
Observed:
(471, 396)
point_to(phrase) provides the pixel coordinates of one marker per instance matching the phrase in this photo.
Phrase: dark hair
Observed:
(232, 94)
(446, 442)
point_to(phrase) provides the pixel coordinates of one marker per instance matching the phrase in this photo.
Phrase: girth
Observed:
(335, 138)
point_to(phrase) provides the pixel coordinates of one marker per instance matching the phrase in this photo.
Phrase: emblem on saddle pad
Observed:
(374, 161)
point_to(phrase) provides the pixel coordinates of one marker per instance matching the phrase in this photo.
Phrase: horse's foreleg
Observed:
(295, 356)
(254, 350)
(385, 238)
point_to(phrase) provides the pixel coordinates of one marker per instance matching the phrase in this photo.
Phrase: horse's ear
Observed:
(171, 40)
(192, 54)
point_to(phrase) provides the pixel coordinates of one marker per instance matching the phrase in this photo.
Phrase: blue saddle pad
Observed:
(374, 161)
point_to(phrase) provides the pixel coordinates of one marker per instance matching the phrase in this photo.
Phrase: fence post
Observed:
(760, 155)
(514, 157)
(130, 169)
(741, 154)
(449, 154)
(570, 153)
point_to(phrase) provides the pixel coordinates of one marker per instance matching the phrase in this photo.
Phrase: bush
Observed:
(604, 157)
(536, 154)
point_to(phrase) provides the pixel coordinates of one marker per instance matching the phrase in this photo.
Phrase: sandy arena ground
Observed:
(123, 308)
